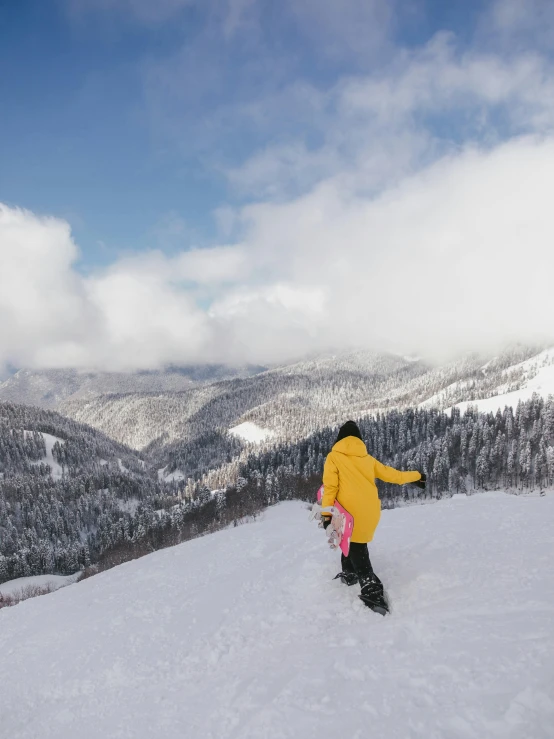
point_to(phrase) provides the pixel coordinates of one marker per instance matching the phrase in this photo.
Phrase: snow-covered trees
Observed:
(56, 523)
(458, 453)
(109, 504)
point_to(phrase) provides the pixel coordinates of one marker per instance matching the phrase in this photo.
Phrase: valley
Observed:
(111, 476)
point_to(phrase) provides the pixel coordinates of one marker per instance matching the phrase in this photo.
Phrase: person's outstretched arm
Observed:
(389, 474)
(330, 482)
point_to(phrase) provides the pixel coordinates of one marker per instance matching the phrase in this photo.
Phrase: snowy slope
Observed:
(176, 476)
(244, 635)
(538, 377)
(49, 441)
(13, 587)
(251, 433)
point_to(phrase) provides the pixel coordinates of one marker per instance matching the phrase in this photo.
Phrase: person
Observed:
(349, 478)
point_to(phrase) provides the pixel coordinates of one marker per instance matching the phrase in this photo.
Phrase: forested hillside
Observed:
(293, 402)
(50, 525)
(63, 486)
(70, 495)
(510, 450)
(50, 388)
(328, 399)
(78, 448)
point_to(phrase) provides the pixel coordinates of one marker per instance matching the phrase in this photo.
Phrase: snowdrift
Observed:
(244, 635)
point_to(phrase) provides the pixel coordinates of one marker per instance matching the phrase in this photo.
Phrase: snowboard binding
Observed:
(348, 578)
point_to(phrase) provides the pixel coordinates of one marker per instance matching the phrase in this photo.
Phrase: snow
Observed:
(121, 466)
(49, 441)
(129, 506)
(55, 581)
(175, 476)
(486, 366)
(439, 398)
(544, 358)
(537, 377)
(243, 634)
(542, 384)
(251, 433)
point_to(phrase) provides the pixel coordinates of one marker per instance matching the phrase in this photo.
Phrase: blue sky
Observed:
(77, 135)
(252, 180)
(86, 136)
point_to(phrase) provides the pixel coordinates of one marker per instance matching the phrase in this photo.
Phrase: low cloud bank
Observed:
(458, 256)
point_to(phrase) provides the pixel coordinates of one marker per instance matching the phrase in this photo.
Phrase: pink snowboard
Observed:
(348, 524)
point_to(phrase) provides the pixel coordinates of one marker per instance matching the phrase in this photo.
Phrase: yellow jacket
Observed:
(349, 477)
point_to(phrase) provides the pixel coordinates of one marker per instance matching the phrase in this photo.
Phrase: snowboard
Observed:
(343, 523)
(381, 607)
(377, 600)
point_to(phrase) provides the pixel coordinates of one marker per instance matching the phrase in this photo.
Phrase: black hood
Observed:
(349, 429)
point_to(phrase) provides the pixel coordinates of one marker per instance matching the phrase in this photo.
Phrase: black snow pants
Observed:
(357, 561)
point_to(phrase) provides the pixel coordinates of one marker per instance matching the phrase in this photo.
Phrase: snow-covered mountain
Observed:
(291, 402)
(284, 403)
(212, 426)
(65, 490)
(50, 388)
(244, 634)
(516, 383)
(274, 427)
(31, 437)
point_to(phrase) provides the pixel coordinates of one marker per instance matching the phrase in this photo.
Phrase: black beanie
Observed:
(349, 429)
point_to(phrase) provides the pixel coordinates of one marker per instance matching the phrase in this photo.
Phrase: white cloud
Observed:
(42, 304)
(513, 24)
(140, 313)
(379, 127)
(271, 323)
(133, 315)
(406, 208)
(144, 11)
(454, 257)
(442, 77)
(357, 27)
(236, 16)
(230, 79)
(145, 319)
(216, 266)
(278, 170)
(346, 28)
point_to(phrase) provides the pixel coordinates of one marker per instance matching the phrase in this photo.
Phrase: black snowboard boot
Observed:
(348, 578)
(373, 595)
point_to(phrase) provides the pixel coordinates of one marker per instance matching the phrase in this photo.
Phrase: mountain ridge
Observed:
(293, 401)
(48, 389)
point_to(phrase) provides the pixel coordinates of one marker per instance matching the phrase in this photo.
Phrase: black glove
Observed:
(326, 521)
(421, 483)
